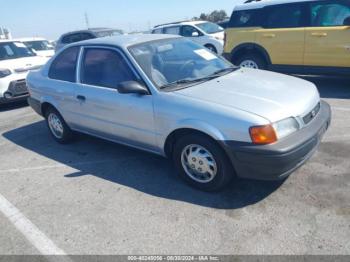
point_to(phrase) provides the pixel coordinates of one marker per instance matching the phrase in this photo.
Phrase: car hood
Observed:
(219, 35)
(24, 64)
(269, 95)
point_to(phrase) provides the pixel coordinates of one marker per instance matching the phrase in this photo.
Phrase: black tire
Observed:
(224, 172)
(67, 135)
(211, 48)
(257, 59)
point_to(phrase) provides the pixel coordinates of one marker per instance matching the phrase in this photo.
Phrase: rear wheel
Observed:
(211, 48)
(251, 61)
(202, 163)
(58, 127)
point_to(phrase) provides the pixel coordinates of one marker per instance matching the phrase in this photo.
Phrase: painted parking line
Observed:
(341, 108)
(37, 238)
(16, 170)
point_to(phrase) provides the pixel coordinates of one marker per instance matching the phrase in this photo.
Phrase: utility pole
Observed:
(87, 20)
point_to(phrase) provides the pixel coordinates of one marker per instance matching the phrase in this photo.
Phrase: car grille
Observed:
(18, 88)
(314, 112)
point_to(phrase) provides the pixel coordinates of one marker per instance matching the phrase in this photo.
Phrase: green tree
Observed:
(215, 16)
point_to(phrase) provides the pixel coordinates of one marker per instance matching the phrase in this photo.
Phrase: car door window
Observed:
(174, 30)
(284, 16)
(65, 65)
(187, 31)
(245, 18)
(329, 13)
(105, 68)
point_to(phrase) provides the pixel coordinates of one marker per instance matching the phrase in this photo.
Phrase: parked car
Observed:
(40, 46)
(205, 33)
(171, 96)
(76, 36)
(15, 62)
(224, 23)
(310, 37)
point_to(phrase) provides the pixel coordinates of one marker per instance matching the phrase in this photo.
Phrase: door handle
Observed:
(269, 35)
(81, 98)
(319, 34)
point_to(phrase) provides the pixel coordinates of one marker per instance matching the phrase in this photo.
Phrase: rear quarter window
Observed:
(284, 16)
(64, 67)
(157, 31)
(174, 30)
(245, 18)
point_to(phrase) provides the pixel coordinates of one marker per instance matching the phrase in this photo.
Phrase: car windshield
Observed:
(179, 63)
(210, 28)
(108, 33)
(13, 50)
(42, 45)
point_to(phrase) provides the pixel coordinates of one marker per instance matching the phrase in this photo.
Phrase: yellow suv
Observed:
(294, 36)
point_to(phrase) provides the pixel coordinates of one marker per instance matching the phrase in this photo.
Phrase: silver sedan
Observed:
(172, 97)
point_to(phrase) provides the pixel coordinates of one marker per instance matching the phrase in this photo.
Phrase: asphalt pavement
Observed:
(96, 197)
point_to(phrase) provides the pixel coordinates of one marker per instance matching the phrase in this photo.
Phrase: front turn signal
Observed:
(263, 135)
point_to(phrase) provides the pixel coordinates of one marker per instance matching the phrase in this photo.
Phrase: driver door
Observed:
(104, 112)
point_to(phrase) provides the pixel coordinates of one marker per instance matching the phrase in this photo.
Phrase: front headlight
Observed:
(263, 135)
(286, 127)
(5, 72)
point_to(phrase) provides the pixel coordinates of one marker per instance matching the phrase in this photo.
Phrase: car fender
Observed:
(50, 100)
(253, 47)
(216, 43)
(194, 124)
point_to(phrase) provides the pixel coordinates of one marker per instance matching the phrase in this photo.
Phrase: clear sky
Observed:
(50, 19)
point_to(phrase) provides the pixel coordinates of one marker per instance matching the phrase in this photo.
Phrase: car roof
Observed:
(180, 23)
(262, 3)
(25, 39)
(90, 30)
(124, 41)
(8, 40)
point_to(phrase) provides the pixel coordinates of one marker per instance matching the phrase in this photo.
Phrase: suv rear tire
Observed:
(202, 163)
(251, 61)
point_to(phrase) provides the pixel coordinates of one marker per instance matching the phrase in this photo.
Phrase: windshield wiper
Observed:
(221, 71)
(185, 81)
(216, 74)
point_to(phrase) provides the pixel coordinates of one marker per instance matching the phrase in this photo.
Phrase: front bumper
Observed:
(17, 90)
(277, 161)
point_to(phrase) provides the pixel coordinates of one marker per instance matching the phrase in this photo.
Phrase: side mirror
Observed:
(132, 87)
(195, 34)
(347, 21)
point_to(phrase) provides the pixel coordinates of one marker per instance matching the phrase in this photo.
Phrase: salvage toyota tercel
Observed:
(172, 97)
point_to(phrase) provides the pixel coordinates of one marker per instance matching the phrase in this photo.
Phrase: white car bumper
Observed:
(13, 87)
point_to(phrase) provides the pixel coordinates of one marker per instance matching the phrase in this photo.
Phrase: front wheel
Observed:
(202, 163)
(251, 61)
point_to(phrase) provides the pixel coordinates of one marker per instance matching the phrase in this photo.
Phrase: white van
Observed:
(205, 33)
(40, 46)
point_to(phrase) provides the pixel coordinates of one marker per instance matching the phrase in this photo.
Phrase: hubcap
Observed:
(249, 64)
(198, 163)
(55, 125)
(211, 49)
